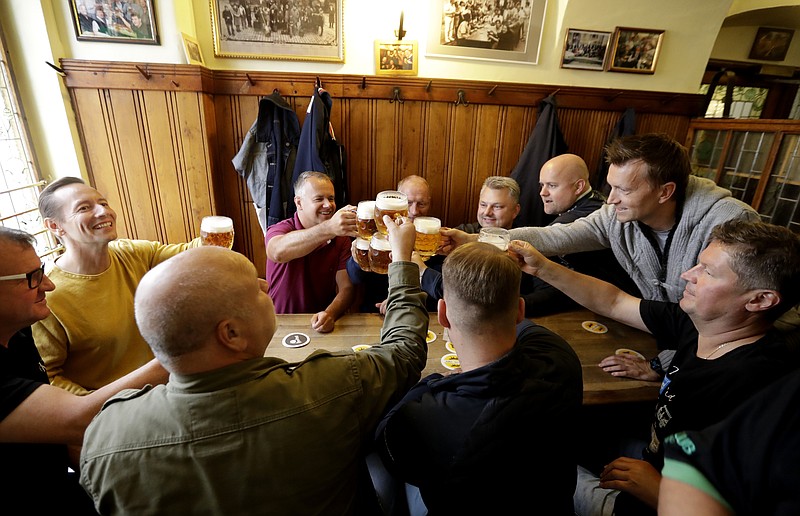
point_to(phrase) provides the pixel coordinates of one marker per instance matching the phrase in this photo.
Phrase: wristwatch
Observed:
(655, 365)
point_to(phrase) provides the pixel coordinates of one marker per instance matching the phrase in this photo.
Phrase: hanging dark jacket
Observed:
(625, 127)
(318, 150)
(266, 159)
(545, 142)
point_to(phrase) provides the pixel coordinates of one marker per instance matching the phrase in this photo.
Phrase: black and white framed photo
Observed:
(585, 49)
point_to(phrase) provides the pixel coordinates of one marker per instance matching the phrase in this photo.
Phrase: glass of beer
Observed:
(217, 231)
(379, 250)
(362, 253)
(392, 203)
(365, 214)
(498, 237)
(427, 236)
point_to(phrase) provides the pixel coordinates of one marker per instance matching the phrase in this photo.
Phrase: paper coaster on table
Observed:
(450, 361)
(626, 351)
(450, 347)
(296, 340)
(594, 327)
(361, 347)
(430, 337)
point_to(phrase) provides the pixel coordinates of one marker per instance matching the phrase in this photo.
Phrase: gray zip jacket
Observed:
(706, 205)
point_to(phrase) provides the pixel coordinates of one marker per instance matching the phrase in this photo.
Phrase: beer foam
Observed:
(216, 224)
(392, 202)
(427, 225)
(380, 244)
(362, 243)
(366, 210)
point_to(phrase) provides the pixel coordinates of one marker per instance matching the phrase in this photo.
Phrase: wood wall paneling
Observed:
(159, 139)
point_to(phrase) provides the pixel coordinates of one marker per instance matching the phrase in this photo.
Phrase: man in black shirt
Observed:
(38, 421)
(722, 330)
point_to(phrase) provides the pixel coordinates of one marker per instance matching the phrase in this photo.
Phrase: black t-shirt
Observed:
(751, 458)
(696, 393)
(35, 476)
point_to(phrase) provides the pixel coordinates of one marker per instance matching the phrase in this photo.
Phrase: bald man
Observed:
(236, 432)
(418, 192)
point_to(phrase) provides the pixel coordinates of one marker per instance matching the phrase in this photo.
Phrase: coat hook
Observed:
(143, 72)
(491, 92)
(363, 83)
(250, 80)
(59, 70)
(614, 96)
(555, 93)
(461, 100)
(428, 87)
(176, 84)
(276, 90)
(670, 99)
(318, 83)
(396, 96)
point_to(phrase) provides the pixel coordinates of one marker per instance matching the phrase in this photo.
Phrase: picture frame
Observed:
(585, 49)
(396, 57)
(771, 44)
(635, 50)
(191, 49)
(136, 25)
(292, 30)
(484, 35)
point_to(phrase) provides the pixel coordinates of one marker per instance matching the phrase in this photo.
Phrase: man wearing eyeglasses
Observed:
(37, 421)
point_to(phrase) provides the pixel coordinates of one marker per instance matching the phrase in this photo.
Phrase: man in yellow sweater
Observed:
(90, 339)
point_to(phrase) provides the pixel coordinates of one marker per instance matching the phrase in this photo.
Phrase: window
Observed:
(20, 183)
(748, 102)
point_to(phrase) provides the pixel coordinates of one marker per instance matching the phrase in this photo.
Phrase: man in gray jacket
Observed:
(657, 219)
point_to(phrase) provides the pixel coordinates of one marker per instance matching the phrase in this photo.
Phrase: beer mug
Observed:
(362, 253)
(379, 250)
(498, 237)
(427, 236)
(365, 214)
(217, 231)
(392, 203)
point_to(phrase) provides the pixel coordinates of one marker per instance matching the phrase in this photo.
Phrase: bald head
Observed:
(191, 303)
(418, 192)
(563, 180)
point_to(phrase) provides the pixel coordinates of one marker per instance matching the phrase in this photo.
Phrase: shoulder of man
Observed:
(126, 395)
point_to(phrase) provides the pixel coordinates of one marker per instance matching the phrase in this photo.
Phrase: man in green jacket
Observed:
(235, 432)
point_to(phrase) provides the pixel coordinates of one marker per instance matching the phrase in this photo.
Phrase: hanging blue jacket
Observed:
(318, 150)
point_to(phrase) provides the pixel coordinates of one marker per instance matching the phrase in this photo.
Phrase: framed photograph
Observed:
(486, 29)
(635, 50)
(297, 30)
(192, 50)
(771, 44)
(585, 49)
(117, 22)
(395, 58)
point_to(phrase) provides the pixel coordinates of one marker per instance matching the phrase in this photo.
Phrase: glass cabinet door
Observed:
(779, 205)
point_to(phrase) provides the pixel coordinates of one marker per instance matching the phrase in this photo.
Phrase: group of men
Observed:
(233, 431)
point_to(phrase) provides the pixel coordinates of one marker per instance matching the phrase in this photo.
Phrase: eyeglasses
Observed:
(34, 277)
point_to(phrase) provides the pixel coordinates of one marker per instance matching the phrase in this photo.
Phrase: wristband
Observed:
(655, 365)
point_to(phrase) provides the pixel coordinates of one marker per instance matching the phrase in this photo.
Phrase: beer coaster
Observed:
(361, 347)
(295, 340)
(430, 337)
(450, 361)
(594, 327)
(450, 347)
(626, 351)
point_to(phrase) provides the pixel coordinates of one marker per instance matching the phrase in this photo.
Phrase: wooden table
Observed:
(599, 387)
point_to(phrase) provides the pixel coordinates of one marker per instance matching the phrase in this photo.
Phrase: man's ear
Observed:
(580, 185)
(229, 335)
(52, 226)
(762, 300)
(521, 310)
(666, 193)
(441, 314)
(517, 210)
(298, 202)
